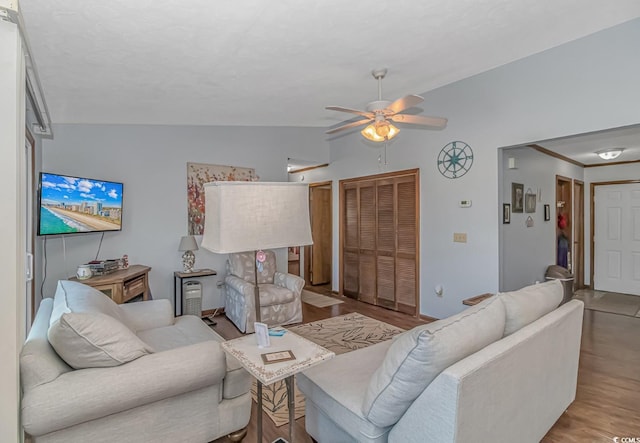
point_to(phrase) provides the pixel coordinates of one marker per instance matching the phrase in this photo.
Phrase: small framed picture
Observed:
(517, 197)
(506, 213)
(547, 212)
(276, 357)
(530, 202)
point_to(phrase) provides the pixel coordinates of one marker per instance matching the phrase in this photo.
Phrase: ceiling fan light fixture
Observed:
(610, 154)
(380, 131)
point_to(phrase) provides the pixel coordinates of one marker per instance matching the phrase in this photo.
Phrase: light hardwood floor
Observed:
(607, 402)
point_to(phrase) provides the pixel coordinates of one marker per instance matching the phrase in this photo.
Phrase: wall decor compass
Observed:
(455, 159)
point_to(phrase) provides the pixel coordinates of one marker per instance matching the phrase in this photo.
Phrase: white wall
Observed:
(12, 229)
(586, 85)
(151, 162)
(526, 252)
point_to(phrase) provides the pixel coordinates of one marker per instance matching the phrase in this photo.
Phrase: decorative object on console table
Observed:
(178, 277)
(123, 285)
(188, 245)
(245, 216)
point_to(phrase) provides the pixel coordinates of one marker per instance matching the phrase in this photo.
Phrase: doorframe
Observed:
(592, 221)
(31, 230)
(578, 225)
(307, 250)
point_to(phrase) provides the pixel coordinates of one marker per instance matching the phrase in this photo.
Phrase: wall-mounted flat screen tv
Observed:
(70, 205)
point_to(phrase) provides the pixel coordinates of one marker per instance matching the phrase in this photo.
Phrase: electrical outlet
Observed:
(460, 237)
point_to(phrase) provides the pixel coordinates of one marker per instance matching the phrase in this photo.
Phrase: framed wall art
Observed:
(547, 213)
(200, 173)
(517, 197)
(506, 213)
(530, 201)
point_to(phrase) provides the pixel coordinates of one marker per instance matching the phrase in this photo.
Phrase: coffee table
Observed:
(249, 355)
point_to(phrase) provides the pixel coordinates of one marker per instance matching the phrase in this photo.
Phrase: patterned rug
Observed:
(319, 300)
(340, 334)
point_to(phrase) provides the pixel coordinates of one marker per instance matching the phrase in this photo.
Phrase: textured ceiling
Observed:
(253, 62)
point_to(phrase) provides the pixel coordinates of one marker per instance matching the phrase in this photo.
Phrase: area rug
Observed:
(319, 300)
(614, 303)
(340, 334)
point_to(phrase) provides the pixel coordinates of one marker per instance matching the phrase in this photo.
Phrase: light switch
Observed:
(460, 237)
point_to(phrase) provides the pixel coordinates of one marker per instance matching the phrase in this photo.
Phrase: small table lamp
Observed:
(188, 245)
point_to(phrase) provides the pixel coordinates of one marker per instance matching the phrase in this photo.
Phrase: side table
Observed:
(249, 355)
(179, 276)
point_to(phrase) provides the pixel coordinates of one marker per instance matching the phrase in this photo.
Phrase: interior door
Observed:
(321, 231)
(617, 238)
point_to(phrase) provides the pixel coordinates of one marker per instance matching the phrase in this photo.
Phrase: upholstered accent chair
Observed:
(280, 294)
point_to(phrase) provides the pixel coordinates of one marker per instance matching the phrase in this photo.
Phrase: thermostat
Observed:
(465, 203)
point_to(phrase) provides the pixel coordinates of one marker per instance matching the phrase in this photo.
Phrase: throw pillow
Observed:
(419, 355)
(94, 340)
(88, 329)
(528, 304)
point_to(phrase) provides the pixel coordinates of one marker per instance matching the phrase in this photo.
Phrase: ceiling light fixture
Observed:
(610, 154)
(380, 131)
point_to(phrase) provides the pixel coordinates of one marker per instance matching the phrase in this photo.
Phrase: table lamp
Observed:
(188, 245)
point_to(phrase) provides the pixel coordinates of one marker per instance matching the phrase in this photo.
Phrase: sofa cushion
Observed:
(87, 331)
(528, 304)
(419, 355)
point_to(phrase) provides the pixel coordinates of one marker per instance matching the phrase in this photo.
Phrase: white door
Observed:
(617, 238)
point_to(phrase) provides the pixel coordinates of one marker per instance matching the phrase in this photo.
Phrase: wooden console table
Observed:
(122, 285)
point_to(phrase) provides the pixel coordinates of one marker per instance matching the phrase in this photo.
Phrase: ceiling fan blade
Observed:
(352, 111)
(437, 122)
(406, 102)
(348, 125)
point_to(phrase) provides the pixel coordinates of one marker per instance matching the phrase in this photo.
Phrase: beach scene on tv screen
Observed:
(71, 204)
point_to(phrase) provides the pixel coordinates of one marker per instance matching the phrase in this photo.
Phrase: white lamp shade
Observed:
(246, 216)
(188, 243)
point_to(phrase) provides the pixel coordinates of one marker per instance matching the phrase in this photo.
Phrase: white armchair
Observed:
(280, 294)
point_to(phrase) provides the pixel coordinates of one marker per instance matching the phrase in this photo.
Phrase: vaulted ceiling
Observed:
(254, 62)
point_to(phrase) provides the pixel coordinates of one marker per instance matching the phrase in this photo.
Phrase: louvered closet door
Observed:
(380, 237)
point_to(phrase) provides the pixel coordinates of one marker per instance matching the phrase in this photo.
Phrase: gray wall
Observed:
(151, 162)
(526, 252)
(586, 85)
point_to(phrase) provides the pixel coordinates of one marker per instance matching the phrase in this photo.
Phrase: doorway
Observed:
(318, 263)
(564, 208)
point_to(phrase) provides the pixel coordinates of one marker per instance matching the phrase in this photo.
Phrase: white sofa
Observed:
(503, 370)
(95, 371)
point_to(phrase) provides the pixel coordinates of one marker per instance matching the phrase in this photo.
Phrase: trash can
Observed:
(556, 272)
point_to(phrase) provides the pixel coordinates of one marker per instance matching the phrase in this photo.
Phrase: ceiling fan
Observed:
(381, 113)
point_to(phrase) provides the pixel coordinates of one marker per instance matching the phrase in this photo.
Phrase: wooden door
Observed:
(320, 263)
(578, 234)
(379, 234)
